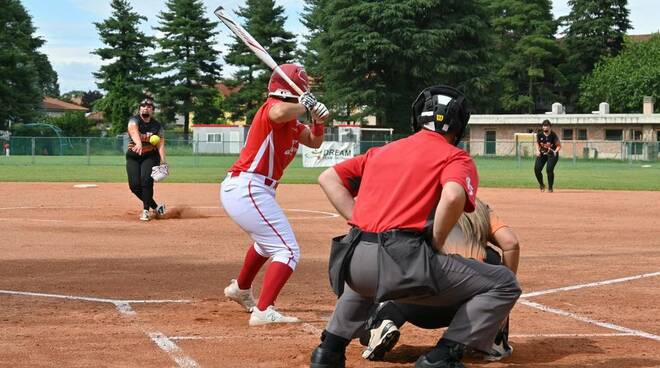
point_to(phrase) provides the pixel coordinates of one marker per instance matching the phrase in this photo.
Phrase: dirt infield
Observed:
(83, 283)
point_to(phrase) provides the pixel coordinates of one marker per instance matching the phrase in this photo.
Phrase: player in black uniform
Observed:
(548, 146)
(142, 156)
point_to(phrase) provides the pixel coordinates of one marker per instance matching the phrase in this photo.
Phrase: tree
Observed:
(624, 80)
(90, 97)
(47, 77)
(25, 73)
(594, 29)
(82, 98)
(126, 76)
(74, 124)
(373, 57)
(187, 62)
(528, 52)
(265, 22)
(71, 96)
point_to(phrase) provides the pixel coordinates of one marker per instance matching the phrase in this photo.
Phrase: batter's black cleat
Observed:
(542, 187)
(381, 340)
(325, 358)
(447, 354)
(550, 190)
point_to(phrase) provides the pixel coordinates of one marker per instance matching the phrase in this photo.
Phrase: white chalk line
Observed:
(592, 284)
(555, 336)
(92, 299)
(168, 346)
(161, 340)
(123, 306)
(607, 325)
(611, 326)
(309, 328)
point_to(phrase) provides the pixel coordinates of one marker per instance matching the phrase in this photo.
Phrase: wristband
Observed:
(317, 129)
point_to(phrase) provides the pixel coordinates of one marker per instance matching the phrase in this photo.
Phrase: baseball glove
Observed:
(159, 173)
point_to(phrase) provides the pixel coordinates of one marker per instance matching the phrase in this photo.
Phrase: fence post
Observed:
(33, 149)
(196, 152)
(89, 158)
(630, 152)
(517, 152)
(574, 154)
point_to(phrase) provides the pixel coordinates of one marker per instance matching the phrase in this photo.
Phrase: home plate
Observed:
(85, 186)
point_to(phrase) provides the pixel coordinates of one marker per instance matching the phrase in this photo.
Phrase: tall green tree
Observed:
(25, 73)
(47, 77)
(594, 29)
(624, 80)
(187, 62)
(265, 22)
(529, 54)
(127, 76)
(373, 57)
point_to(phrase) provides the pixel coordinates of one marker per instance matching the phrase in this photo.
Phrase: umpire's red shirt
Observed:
(398, 186)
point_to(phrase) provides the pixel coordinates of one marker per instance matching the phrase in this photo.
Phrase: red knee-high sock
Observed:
(251, 266)
(277, 275)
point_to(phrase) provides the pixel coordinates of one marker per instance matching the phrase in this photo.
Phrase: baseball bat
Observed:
(258, 50)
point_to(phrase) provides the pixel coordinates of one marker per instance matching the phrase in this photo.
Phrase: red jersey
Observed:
(269, 146)
(398, 186)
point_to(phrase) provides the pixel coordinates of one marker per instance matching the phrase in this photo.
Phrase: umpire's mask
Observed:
(442, 109)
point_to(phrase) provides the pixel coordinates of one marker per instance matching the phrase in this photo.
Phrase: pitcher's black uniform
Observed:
(549, 154)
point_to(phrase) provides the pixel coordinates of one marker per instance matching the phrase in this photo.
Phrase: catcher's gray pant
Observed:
(487, 292)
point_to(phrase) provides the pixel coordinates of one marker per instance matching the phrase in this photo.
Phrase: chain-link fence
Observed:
(572, 150)
(107, 151)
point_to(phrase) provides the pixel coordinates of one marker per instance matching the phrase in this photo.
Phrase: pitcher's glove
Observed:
(159, 173)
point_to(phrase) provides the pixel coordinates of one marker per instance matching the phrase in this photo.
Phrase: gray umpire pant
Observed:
(487, 294)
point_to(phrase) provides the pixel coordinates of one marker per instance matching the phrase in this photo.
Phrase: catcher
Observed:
(481, 235)
(145, 158)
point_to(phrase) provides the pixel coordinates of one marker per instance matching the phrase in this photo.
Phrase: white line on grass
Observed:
(607, 325)
(592, 284)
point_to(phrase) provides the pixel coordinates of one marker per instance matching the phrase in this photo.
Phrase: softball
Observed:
(154, 139)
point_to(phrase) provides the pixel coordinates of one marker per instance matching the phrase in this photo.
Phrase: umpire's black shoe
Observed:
(447, 354)
(325, 358)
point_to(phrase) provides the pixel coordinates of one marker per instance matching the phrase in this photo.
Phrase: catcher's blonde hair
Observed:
(476, 225)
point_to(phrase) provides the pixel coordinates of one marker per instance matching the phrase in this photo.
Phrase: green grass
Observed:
(600, 174)
(493, 172)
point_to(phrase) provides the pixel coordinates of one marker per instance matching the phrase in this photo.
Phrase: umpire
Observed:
(142, 156)
(387, 195)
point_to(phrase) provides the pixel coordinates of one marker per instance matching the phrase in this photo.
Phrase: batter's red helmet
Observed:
(279, 88)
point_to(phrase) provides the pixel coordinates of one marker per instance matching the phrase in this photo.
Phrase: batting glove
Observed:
(320, 112)
(308, 100)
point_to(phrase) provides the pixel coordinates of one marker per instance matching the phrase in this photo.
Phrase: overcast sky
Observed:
(70, 35)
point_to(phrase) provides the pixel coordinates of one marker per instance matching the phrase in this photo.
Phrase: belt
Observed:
(266, 180)
(374, 237)
(369, 237)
